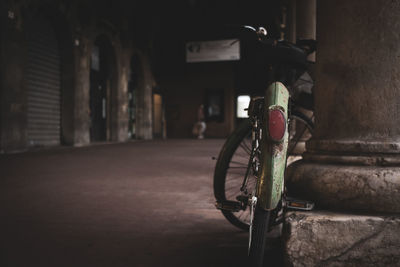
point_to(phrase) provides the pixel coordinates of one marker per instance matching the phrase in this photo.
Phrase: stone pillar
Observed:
(82, 94)
(352, 162)
(13, 107)
(123, 114)
(291, 21)
(144, 122)
(353, 158)
(306, 21)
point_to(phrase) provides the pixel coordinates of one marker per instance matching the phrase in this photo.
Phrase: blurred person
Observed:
(200, 126)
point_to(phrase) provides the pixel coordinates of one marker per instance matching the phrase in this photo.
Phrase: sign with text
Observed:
(222, 50)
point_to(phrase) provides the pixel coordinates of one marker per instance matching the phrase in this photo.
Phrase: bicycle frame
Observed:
(270, 183)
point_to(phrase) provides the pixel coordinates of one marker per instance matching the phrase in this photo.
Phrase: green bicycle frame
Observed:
(273, 153)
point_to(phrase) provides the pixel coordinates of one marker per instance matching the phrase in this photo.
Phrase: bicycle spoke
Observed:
(245, 148)
(239, 163)
(236, 174)
(244, 167)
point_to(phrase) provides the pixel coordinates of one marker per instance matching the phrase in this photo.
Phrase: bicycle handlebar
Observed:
(261, 32)
(308, 45)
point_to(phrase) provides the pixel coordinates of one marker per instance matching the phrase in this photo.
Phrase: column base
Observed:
(346, 187)
(321, 238)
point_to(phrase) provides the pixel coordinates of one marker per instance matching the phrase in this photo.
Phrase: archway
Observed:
(102, 72)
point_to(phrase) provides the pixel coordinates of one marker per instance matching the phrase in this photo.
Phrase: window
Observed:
(242, 104)
(214, 109)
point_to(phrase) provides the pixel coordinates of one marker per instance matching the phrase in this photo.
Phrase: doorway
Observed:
(100, 82)
(157, 116)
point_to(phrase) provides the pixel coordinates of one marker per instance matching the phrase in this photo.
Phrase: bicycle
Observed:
(254, 198)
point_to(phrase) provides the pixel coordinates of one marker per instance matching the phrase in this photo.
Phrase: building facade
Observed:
(71, 75)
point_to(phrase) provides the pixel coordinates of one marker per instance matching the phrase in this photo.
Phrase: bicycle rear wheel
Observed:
(230, 171)
(301, 129)
(233, 161)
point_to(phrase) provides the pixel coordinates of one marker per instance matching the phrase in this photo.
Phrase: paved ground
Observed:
(144, 203)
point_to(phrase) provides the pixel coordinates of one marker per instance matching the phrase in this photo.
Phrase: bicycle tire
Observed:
(306, 128)
(258, 236)
(221, 172)
(240, 219)
(297, 115)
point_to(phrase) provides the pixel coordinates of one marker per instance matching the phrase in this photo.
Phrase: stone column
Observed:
(13, 104)
(291, 21)
(353, 159)
(352, 162)
(82, 91)
(305, 19)
(144, 122)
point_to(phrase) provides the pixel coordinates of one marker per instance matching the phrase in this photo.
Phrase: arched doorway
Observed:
(43, 84)
(101, 74)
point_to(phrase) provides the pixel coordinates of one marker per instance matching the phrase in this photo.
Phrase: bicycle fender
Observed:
(273, 154)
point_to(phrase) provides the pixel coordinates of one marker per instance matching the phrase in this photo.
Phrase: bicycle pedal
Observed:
(297, 204)
(243, 199)
(228, 205)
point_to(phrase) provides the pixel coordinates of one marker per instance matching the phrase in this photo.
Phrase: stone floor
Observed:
(142, 203)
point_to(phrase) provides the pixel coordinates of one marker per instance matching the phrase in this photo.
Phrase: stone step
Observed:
(322, 238)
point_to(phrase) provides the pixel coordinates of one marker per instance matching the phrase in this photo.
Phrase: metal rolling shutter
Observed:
(43, 80)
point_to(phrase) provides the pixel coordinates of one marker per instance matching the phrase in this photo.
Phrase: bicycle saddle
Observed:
(283, 53)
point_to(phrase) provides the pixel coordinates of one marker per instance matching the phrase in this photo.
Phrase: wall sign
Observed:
(222, 50)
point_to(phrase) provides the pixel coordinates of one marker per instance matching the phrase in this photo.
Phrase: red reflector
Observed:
(276, 124)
